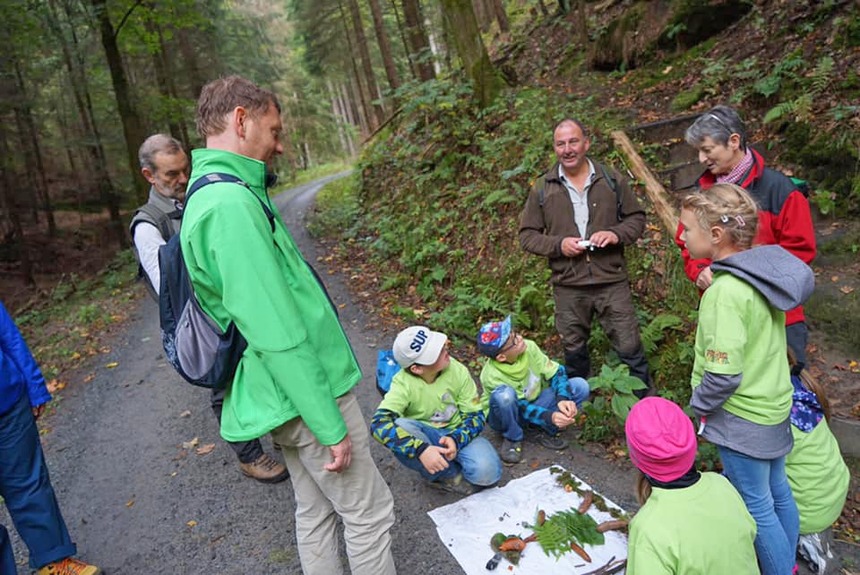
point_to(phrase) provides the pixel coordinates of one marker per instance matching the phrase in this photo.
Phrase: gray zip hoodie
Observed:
(786, 282)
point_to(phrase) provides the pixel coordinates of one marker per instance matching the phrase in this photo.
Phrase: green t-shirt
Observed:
(441, 403)
(528, 375)
(818, 477)
(739, 332)
(703, 529)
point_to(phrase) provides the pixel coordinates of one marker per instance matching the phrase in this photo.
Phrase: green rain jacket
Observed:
(298, 359)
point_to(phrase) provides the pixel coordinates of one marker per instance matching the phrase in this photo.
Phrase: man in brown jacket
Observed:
(580, 215)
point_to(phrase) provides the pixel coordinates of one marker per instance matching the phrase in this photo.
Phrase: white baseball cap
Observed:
(418, 344)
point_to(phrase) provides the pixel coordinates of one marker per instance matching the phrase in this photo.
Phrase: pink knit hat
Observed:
(661, 439)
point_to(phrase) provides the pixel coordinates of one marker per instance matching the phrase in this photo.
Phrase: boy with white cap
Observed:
(431, 417)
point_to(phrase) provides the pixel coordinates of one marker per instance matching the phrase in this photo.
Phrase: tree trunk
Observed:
(364, 113)
(33, 135)
(582, 23)
(463, 26)
(94, 145)
(384, 45)
(501, 15)
(11, 193)
(419, 47)
(481, 15)
(131, 125)
(164, 75)
(400, 30)
(338, 118)
(366, 65)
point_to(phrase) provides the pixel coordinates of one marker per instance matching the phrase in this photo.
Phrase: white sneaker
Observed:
(814, 548)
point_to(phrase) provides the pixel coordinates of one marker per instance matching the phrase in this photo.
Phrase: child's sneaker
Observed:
(511, 451)
(68, 566)
(554, 442)
(456, 484)
(814, 548)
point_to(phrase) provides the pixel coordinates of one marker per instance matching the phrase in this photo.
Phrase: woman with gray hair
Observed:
(784, 217)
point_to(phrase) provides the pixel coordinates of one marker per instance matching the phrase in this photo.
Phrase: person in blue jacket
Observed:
(24, 482)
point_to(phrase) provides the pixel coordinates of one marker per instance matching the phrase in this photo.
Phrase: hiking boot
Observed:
(554, 442)
(814, 548)
(511, 451)
(265, 470)
(456, 484)
(68, 566)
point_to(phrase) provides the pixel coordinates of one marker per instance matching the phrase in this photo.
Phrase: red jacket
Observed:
(784, 219)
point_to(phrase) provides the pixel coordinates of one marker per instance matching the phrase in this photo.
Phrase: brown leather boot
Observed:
(265, 470)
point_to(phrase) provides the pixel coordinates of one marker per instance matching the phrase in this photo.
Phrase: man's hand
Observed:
(433, 459)
(341, 455)
(561, 419)
(704, 279)
(449, 447)
(38, 410)
(570, 247)
(603, 239)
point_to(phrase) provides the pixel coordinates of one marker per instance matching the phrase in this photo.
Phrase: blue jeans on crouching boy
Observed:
(505, 414)
(478, 461)
(764, 488)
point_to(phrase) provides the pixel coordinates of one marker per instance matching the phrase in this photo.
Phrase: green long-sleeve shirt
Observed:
(298, 359)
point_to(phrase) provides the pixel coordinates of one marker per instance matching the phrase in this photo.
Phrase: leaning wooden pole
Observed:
(655, 190)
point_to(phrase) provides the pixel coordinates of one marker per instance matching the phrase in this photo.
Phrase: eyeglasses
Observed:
(512, 342)
(721, 123)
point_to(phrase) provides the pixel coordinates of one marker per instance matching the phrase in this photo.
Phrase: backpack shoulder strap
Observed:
(615, 188)
(217, 177)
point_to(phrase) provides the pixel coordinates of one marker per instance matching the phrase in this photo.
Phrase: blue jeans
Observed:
(764, 488)
(26, 489)
(478, 461)
(506, 418)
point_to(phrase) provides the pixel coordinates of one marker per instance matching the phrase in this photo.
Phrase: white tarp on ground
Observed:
(467, 526)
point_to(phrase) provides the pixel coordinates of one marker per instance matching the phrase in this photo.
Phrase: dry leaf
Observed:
(89, 378)
(185, 413)
(834, 278)
(112, 364)
(191, 523)
(55, 385)
(191, 444)
(130, 503)
(76, 355)
(846, 289)
(204, 449)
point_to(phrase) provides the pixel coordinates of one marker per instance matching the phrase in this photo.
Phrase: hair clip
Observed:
(740, 220)
(724, 218)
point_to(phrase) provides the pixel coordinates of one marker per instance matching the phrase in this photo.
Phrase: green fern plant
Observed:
(801, 106)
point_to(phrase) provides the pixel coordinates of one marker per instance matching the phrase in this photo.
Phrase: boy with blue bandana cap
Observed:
(524, 386)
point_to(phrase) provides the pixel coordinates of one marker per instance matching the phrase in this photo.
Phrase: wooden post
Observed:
(655, 190)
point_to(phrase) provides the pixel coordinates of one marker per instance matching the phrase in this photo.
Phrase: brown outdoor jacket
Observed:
(542, 228)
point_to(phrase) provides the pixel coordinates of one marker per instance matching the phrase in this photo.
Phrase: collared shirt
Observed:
(578, 199)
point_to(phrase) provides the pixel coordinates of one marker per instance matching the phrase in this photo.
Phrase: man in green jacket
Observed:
(295, 377)
(580, 216)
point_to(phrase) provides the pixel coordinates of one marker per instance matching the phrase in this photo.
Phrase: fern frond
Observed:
(778, 111)
(821, 74)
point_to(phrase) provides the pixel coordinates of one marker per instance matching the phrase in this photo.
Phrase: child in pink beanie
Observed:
(690, 522)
